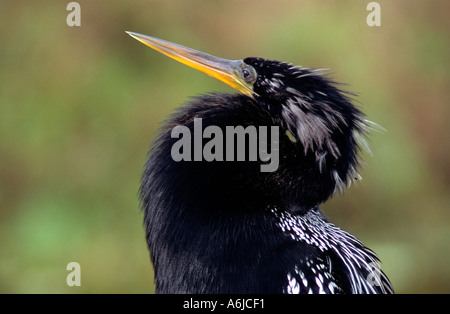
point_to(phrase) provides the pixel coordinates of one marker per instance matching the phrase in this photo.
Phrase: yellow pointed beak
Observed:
(227, 71)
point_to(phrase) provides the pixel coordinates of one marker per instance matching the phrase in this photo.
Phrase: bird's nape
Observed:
(216, 222)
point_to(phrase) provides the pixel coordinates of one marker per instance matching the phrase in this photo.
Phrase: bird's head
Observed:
(317, 117)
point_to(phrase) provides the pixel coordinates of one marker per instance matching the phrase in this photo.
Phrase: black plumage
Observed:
(228, 227)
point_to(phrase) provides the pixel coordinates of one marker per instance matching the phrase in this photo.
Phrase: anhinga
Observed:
(220, 226)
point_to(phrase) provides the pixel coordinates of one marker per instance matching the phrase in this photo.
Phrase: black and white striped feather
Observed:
(316, 274)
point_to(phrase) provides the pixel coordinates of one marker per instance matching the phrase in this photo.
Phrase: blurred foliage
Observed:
(79, 107)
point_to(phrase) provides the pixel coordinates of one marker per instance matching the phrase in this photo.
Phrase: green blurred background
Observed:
(79, 107)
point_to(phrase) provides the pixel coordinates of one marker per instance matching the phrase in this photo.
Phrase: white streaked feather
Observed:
(312, 229)
(372, 126)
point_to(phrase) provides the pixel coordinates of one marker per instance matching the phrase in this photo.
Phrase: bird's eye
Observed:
(249, 74)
